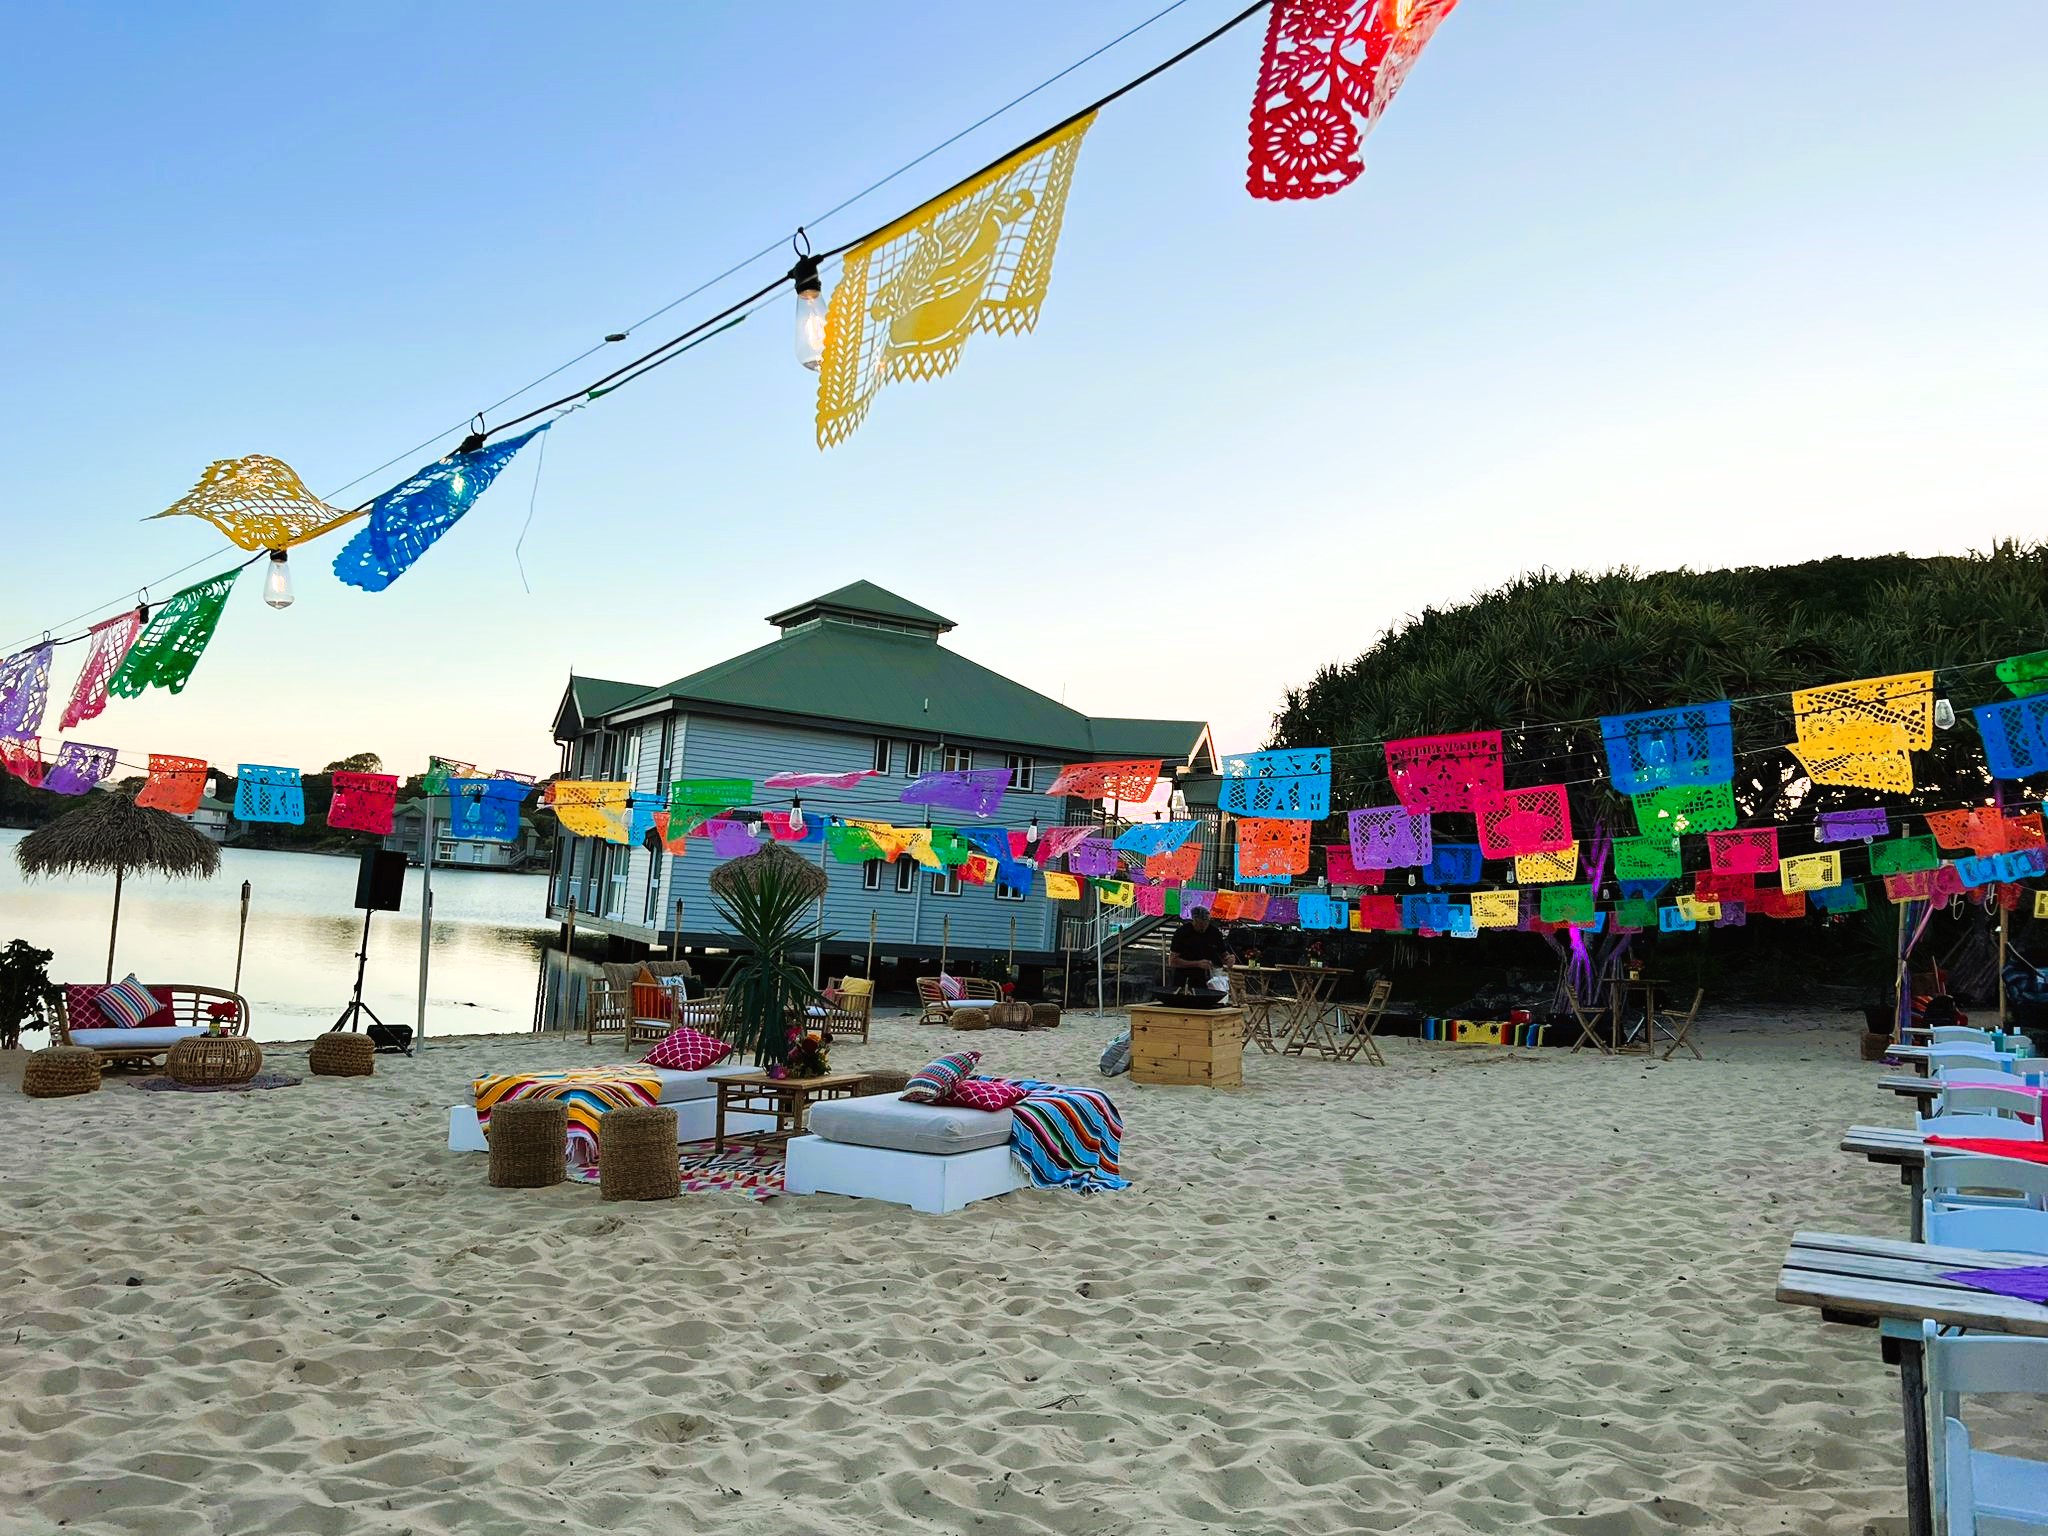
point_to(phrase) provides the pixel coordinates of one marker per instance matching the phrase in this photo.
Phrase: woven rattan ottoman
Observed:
(59, 1071)
(207, 1061)
(341, 1054)
(1045, 1015)
(636, 1154)
(530, 1141)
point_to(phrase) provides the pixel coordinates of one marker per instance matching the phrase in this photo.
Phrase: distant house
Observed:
(409, 830)
(857, 679)
(213, 818)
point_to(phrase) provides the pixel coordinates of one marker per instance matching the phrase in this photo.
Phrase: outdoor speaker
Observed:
(380, 882)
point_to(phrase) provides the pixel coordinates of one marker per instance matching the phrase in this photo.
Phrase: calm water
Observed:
(299, 963)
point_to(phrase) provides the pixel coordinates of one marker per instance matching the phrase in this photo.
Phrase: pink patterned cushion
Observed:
(937, 1079)
(990, 1093)
(684, 1049)
(82, 1008)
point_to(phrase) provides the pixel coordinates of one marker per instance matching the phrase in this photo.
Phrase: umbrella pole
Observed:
(115, 931)
(241, 936)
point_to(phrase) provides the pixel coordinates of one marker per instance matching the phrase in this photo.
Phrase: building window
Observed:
(914, 755)
(871, 875)
(906, 874)
(958, 759)
(1006, 892)
(1020, 771)
(946, 883)
(885, 749)
(652, 915)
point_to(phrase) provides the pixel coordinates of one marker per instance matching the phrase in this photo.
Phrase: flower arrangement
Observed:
(809, 1053)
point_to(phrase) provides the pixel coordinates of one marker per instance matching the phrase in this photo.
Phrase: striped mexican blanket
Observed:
(589, 1092)
(1067, 1138)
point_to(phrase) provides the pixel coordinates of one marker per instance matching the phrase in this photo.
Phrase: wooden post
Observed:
(945, 939)
(114, 932)
(568, 963)
(818, 943)
(1013, 942)
(873, 920)
(241, 937)
(419, 1032)
(2002, 916)
(1902, 1000)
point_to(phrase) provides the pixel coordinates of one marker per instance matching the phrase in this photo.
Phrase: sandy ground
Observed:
(1469, 1292)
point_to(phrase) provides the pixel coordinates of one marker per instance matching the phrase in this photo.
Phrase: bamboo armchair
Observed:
(937, 1008)
(192, 1007)
(852, 1015)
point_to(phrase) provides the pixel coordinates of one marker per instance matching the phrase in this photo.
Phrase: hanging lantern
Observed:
(810, 308)
(277, 580)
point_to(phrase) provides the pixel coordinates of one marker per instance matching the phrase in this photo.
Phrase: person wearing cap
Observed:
(1200, 952)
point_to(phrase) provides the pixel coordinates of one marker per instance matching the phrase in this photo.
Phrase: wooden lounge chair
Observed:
(1356, 1038)
(194, 1011)
(936, 1008)
(851, 1016)
(1589, 1024)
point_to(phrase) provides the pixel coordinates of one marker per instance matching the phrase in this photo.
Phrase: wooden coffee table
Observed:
(788, 1099)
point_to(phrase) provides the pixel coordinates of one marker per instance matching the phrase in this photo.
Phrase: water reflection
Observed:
(299, 960)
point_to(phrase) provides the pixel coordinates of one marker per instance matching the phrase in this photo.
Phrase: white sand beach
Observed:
(1469, 1292)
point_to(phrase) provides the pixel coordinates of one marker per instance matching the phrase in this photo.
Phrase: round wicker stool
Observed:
(968, 1018)
(340, 1054)
(529, 1144)
(212, 1060)
(1007, 1015)
(884, 1082)
(1045, 1015)
(636, 1154)
(59, 1071)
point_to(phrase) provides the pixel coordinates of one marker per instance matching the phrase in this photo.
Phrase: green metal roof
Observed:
(865, 600)
(596, 696)
(1171, 740)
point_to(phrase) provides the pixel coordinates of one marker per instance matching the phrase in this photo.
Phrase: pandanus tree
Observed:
(769, 900)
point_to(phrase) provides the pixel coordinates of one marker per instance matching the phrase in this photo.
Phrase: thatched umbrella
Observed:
(111, 834)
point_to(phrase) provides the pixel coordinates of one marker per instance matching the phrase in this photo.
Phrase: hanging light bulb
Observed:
(796, 814)
(1031, 834)
(810, 308)
(277, 581)
(1944, 715)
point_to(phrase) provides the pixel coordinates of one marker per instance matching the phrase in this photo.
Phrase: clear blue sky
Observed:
(1625, 282)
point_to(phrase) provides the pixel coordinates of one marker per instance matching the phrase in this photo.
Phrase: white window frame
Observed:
(885, 754)
(1008, 892)
(954, 759)
(906, 874)
(946, 882)
(871, 875)
(914, 757)
(1020, 770)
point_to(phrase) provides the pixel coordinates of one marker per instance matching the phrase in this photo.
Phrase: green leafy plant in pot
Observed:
(768, 901)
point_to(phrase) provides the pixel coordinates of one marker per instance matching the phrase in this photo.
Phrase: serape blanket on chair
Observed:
(588, 1092)
(1067, 1138)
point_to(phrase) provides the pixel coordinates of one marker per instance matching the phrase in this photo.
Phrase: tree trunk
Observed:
(115, 931)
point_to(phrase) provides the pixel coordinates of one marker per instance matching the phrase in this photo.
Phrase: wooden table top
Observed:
(1912, 1087)
(763, 1080)
(1885, 1144)
(1312, 970)
(1870, 1279)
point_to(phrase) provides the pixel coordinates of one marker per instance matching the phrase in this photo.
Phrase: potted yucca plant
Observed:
(767, 899)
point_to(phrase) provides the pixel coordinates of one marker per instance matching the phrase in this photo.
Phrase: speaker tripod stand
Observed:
(357, 1009)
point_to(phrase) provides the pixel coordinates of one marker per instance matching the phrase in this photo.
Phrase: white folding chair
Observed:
(1984, 1494)
(1995, 1229)
(1962, 1034)
(1954, 1179)
(1978, 1057)
(1988, 1127)
(1987, 1099)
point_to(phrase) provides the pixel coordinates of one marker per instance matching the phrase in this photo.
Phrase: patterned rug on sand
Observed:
(755, 1172)
(260, 1080)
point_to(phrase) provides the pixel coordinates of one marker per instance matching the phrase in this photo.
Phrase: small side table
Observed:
(211, 1061)
(788, 1099)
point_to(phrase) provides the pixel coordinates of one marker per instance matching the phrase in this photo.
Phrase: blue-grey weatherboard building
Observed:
(856, 679)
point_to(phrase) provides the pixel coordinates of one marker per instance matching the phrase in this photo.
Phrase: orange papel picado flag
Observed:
(976, 259)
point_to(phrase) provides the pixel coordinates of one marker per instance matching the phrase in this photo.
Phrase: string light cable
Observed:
(731, 314)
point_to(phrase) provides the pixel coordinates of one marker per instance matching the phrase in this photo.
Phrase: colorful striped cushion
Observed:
(936, 1080)
(128, 1002)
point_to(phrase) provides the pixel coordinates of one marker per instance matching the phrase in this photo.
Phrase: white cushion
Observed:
(886, 1120)
(162, 1038)
(676, 1087)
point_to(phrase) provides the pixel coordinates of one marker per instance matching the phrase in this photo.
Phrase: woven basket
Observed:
(968, 1018)
(210, 1060)
(59, 1071)
(339, 1054)
(636, 1154)
(529, 1144)
(884, 1082)
(1008, 1015)
(1045, 1015)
